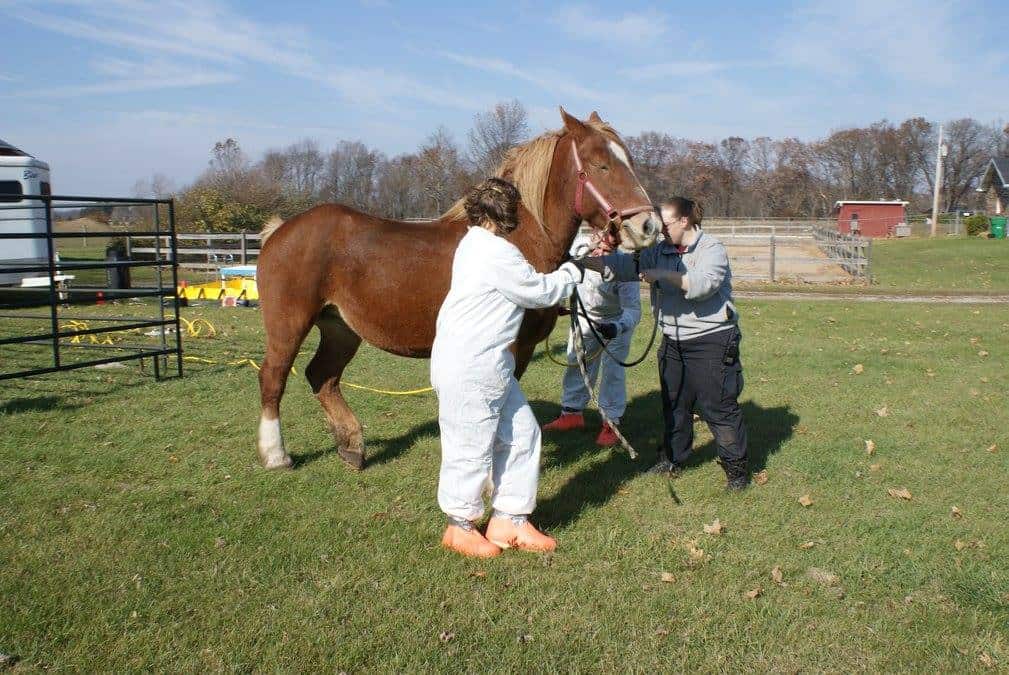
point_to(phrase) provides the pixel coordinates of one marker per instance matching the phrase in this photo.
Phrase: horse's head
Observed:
(607, 194)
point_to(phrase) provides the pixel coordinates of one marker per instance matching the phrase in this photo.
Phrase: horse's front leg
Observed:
(536, 326)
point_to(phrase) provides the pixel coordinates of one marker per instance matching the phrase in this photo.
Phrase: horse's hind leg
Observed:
(283, 339)
(337, 346)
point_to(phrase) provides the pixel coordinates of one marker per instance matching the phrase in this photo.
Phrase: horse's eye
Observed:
(603, 167)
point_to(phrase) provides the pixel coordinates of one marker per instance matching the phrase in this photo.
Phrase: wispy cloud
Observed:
(546, 80)
(909, 42)
(129, 76)
(582, 21)
(212, 34)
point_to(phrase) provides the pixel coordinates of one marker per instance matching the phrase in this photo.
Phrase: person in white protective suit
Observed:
(615, 310)
(487, 428)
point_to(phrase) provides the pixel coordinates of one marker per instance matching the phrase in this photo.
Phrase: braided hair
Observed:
(496, 201)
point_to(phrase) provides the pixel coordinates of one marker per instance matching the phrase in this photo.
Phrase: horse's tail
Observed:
(269, 228)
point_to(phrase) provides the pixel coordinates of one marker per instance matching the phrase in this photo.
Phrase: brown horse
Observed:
(358, 277)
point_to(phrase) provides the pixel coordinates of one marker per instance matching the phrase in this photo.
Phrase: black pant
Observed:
(705, 371)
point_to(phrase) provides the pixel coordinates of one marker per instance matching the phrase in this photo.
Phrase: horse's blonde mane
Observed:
(527, 166)
(269, 228)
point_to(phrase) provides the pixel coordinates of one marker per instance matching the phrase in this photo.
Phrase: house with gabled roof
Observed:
(995, 185)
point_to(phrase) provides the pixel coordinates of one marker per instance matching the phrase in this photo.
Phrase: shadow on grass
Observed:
(35, 404)
(388, 449)
(768, 429)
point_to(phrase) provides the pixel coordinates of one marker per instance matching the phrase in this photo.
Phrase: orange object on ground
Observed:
(525, 537)
(468, 542)
(566, 422)
(100, 300)
(607, 437)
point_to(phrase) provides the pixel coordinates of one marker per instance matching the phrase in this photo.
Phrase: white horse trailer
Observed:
(21, 174)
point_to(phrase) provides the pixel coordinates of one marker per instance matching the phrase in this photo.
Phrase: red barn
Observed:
(870, 218)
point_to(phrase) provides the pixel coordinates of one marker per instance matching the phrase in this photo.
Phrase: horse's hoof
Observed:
(355, 460)
(277, 464)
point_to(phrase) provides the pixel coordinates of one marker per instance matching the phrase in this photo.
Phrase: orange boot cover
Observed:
(468, 542)
(503, 532)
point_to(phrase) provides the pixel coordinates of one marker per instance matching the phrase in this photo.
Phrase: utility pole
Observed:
(940, 152)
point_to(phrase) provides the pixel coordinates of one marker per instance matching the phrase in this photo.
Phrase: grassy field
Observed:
(950, 264)
(137, 532)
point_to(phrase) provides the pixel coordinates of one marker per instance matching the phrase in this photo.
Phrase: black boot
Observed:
(736, 473)
(665, 466)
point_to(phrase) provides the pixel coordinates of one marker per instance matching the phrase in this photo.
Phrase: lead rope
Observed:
(580, 357)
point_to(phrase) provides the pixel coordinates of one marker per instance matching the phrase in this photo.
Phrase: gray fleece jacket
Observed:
(706, 308)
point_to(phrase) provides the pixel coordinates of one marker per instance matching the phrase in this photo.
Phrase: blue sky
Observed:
(112, 91)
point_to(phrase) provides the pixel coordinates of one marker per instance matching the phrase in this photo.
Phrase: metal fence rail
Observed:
(31, 219)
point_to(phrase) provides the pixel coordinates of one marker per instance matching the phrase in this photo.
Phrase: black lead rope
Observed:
(576, 304)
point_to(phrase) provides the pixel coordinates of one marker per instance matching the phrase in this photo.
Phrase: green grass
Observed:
(137, 532)
(946, 264)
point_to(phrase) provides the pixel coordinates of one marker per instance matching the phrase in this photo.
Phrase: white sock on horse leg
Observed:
(271, 444)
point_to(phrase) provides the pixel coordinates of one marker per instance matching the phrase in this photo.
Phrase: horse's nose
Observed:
(651, 226)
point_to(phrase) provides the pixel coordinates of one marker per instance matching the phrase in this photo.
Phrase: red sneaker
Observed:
(607, 437)
(566, 422)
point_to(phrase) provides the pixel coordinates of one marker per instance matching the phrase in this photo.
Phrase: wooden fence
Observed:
(201, 250)
(852, 253)
(764, 251)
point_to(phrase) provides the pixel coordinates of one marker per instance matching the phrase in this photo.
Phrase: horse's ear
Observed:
(572, 123)
(594, 117)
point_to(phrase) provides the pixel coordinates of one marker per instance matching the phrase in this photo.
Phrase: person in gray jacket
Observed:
(691, 292)
(615, 310)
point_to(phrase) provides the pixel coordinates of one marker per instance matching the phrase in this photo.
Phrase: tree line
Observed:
(760, 177)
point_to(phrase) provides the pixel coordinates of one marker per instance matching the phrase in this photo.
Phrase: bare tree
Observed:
(971, 145)
(351, 174)
(441, 172)
(495, 132)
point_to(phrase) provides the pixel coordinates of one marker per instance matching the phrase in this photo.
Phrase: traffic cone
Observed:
(101, 298)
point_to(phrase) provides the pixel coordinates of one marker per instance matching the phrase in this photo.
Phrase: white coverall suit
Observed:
(487, 427)
(613, 302)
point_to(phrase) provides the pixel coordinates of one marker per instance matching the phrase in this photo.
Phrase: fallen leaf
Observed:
(760, 478)
(822, 576)
(870, 447)
(975, 340)
(806, 500)
(478, 574)
(754, 594)
(808, 545)
(883, 412)
(986, 660)
(956, 513)
(715, 527)
(662, 632)
(993, 447)
(900, 493)
(858, 369)
(777, 576)
(525, 638)
(983, 353)
(875, 467)
(960, 545)
(446, 636)
(696, 554)
(667, 577)
(984, 380)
